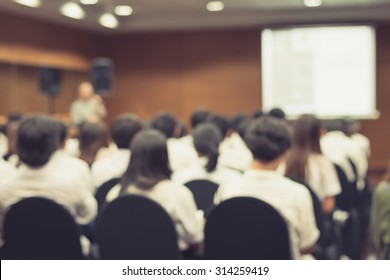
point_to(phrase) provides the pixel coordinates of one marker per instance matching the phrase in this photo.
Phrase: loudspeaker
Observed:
(49, 81)
(102, 76)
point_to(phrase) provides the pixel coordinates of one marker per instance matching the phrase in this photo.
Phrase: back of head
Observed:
(222, 122)
(277, 113)
(258, 114)
(123, 129)
(207, 138)
(92, 137)
(63, 132)
(164, 122)
(37, 139)
(148, 162)
(307, 131)
(333, 125)
(237, 119)
(268, 138)
(199, 116)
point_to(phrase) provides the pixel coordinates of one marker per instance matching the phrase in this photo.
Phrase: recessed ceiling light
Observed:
(29, 3)
(312, 3)
(123, 10)
(108, 20)
(72, 10)
(88, 2)
(215, 6)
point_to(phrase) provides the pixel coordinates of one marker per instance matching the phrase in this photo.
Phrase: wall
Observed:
(177, 72)
(27, 43)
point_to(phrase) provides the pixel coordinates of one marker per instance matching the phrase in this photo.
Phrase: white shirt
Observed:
(77, 167)
(290, 199)
(53, 181)
(197, 171)
(179, 202)
(336, 146)
(322, 177)
(112, 166)
(7, 171)
(180, 155)
(3, 144)
(234, 153)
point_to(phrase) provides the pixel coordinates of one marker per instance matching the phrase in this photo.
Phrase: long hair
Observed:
(207, 138)
(92, 137)
(306, 141)
(149, 162)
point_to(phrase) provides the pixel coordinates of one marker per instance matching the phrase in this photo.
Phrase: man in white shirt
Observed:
(123, 129)
(268, 139)
(43, 173)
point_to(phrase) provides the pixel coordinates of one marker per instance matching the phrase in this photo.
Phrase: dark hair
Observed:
(149, 162)
(333, 125)
(258, 113)
(123, 129)
(277, 113)
(306, 141)
(92, 137)
(199, 116)
(222, 122)
(182, 130)
(237, 119)
(268, 138)
(207, 138)
(164, 122)
(63, 131)
(37, 139)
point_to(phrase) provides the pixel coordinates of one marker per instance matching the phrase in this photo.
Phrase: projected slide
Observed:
(328, 71)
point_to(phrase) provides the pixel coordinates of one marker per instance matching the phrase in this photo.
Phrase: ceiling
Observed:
(163, 15)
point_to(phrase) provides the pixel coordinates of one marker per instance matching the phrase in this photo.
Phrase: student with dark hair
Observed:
(93, 137)
(123, 129)
(149, 174)
(180, 153)
(258, 113)
(234, 154)
(43, 172)
(277, 113)
(306, 162)
(199, 116)
(269, 139)
(207, 138)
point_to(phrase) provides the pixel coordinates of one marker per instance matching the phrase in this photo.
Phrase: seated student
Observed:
(306, 162)
(180, 154)
(268, 139)
(380, 217)
(149, 174)
(93, 142)
(7, 170)
(207, 138)
(72, 163)
(123, 129)
(43, 173)
(234, 153)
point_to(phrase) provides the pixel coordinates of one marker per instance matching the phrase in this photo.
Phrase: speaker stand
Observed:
(51, 105)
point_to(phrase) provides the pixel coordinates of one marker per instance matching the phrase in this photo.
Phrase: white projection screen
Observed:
(328, 71)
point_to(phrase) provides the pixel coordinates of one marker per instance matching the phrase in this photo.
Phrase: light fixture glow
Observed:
(29, 3)
(72, 10)
(108, 20)
(215, 6)
(312, 3)
(123, 10)
(89, 2)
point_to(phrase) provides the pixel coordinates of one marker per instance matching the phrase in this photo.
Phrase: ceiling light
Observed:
(72, 10)
(88, 2)
(215, 6)
(29, 3)
(312, 3)
(123, 10)
(108, 20)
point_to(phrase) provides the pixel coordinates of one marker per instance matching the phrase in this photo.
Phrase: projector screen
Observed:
(328, 71)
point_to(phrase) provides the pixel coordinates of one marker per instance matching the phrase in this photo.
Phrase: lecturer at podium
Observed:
(88, 107)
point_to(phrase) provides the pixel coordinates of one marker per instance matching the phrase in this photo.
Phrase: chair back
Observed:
(134, 227)
(103, 190)
(246, 228)
(39, 229)
(203, 192)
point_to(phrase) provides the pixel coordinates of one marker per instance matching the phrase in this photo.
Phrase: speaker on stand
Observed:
(50, 85)
(102, 76)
